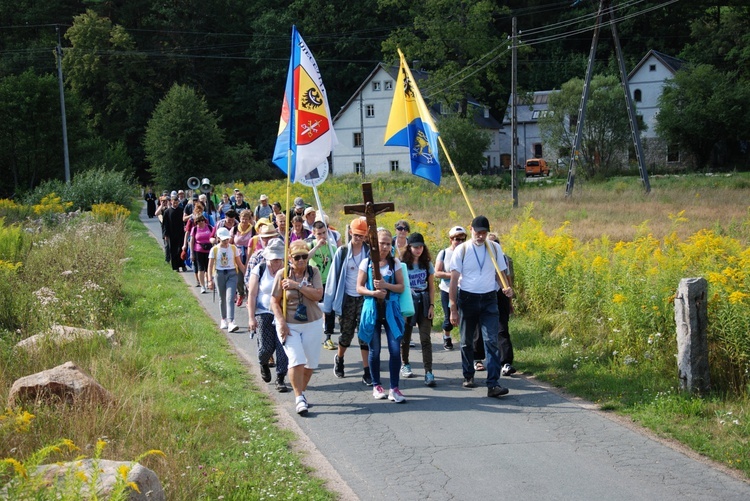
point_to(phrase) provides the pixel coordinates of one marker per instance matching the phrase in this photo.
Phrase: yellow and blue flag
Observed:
(410, 124)
(305, 129)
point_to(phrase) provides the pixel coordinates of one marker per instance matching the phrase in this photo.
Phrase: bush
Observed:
(100, 186)
(11, 212)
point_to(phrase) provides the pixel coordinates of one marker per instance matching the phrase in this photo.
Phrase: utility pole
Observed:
(514, 116)
(361, 135)
(66, 158)
(605, 5)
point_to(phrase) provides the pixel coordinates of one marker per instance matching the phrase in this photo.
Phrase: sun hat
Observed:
(415, 239)
(223, 234)
(309, 210)
(268, 231)
(298, 247)
(264, 221)
(274, 250)
(456, 230)
(263, 197)
(480, 223)
(358, 226)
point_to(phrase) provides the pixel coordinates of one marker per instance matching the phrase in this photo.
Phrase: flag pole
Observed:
(331, 247)
(503, 278)
(286, 225)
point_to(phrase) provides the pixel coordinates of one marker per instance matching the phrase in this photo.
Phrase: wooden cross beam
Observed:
(369, 209)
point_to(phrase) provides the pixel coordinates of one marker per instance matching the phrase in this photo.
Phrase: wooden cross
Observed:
(369, 209)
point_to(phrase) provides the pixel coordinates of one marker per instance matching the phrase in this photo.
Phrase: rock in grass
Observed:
(64, 383)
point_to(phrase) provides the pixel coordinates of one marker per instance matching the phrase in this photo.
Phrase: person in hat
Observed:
(299, 327)
(225, 264)
(309, 218)
(473, 301)
(263, 209)
(341, 296)
(299, 207)
(181, 198)
(260, 286)
(421, 275)
(457, 236)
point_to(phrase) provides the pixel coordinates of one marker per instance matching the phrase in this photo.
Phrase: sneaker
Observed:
(328, 345)
(406, 371)
(203, 290)
(265, 373)
(239, 300)
(338, 366)
(395, 395)
(302, 406)
(223, 324)
(469, 383)
(366, 377)
(412, 344)
(429, 379)
(232, 327)
(280, 385)
(378, 393)
(497, 391)
(507, 370)
(447, 343)
(197, 284)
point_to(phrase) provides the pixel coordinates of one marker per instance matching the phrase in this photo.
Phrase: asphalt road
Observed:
(450, 443)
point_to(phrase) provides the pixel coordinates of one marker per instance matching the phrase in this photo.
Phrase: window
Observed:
(651, 67)
(637, 96)
(357, 139)
(358, 167)
(535, 115)
(673, 153)
(388, 85)
(537, 150)
(370, 110)
(376, 86)
(394, 165)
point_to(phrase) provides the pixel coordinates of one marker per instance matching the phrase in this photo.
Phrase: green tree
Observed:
(458, 43)
(606, 131)
(466, 144)
(702, 109)
(183, 138)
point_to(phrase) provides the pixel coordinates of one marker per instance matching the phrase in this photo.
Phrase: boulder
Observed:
(62, 334)
(148, 483)
(65, 383)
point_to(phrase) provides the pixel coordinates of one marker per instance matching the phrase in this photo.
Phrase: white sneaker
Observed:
(378, 393)
(232, 327)
(301, 406)
(203, 290)
(396, 396)
(223, 324)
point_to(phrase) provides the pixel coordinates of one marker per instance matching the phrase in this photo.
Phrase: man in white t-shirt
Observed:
(475, 304)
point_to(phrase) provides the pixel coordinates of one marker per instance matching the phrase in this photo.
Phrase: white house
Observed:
(646, 83)
(360, 128)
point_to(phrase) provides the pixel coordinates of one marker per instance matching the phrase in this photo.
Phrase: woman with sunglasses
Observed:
(457, 236)
(300, 330)
(402, 234)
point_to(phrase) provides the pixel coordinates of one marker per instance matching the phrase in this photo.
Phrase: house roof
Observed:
(671, 63)
(419, 75)
(527, 110)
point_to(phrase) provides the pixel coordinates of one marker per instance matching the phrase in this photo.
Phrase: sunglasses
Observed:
(300, 256)
(459, 239)
(402, 228)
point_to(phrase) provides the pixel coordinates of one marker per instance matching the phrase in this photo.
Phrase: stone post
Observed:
(690, 314)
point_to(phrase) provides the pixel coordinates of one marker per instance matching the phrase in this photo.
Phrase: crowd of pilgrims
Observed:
(238, 251)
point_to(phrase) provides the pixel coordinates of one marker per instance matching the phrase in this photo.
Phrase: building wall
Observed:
(650, 80)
